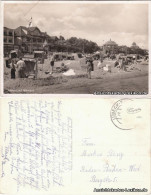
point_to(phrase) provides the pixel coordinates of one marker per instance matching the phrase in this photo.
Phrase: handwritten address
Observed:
(105, 166)
(38, 145)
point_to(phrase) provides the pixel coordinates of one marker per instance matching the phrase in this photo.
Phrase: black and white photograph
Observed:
(75, 48)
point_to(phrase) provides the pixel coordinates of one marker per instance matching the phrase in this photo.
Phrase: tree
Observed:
(83, 45)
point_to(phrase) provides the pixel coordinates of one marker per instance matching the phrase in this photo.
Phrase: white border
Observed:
(73, 95)
(1, 48)
(149, 44)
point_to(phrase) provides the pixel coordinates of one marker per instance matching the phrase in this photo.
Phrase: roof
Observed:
(34, 31)
(23, 31)
(13, 51)
(32, 28)
(131, 55)
(44, 33)
(38, 51)
(8, 28)
(53, 37)
(110, 42)
(29, 59)
(134, 44)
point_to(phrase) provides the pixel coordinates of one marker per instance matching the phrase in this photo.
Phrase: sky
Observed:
(123, 23)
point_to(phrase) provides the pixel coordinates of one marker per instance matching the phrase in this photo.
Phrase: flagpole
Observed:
(30, 25)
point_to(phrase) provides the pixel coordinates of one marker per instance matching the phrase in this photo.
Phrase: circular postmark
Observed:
(125, 114)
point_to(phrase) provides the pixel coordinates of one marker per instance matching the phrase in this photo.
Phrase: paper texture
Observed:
(74, 146)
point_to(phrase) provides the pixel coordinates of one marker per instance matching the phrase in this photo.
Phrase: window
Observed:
(39, 40)
(34, 40)
(10, 41)
(5, 33)
(28, 39)
(10, 33)
(5, 40)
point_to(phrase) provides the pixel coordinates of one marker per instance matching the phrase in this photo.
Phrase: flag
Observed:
(30, 22)
(45, 43)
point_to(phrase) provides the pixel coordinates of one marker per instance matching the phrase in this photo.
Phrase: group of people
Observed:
(90, 64)
(120, 62)
(18, 67)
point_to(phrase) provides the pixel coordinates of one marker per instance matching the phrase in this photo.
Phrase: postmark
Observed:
(126, 113)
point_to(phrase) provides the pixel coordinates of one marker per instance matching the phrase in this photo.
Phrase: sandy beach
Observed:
(135, 79)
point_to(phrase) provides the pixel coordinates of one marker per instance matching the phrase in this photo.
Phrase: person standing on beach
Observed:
(21, 68)
(90, 67)
(13, 70)
(122, 64)
(52, 61)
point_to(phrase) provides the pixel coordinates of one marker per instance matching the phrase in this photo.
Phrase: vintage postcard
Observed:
(75, 146)
(87, 47)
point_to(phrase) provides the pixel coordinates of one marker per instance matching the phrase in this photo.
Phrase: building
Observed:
(8, 39)
(52, 43)
(110, 47)
(134, 46)
(30, 39)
